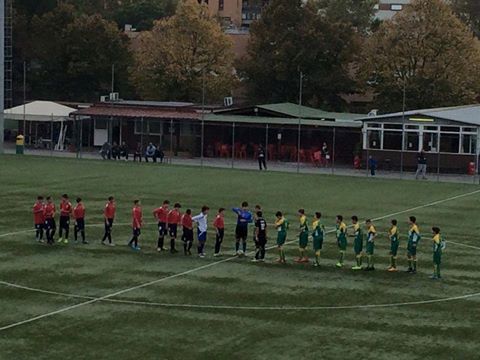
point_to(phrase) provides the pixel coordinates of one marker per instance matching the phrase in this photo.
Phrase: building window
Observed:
(221, 4)
(412, 140)
(155, 127)
(396, 7)
(430, 141)
(450, 143)
(469, 144)
(392, 140)
(374, 137)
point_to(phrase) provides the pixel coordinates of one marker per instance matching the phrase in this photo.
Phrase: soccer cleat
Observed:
(410, 270)
(217, 255)
(173, 251)
(65, 241)
(413, 272)
(305, 260)
(279, 261)
(392, 269)
(434, 277)
(111, 244)
(356, 267)
(201, 255)
(240, 253)
(254, 260)
(339, 265)
(316, 264)
(261, 260)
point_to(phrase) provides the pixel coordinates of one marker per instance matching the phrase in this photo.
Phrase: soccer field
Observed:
(96, 302)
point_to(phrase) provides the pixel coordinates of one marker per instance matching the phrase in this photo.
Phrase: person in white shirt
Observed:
(201, 220)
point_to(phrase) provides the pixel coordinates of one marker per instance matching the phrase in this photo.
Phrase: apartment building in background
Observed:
(237, 14)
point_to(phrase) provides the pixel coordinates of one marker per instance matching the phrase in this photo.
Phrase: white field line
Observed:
(150, 283)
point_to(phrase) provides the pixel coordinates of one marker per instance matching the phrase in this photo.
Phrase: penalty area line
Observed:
(150, 283)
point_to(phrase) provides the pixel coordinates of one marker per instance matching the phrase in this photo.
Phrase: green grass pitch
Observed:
(116, 330)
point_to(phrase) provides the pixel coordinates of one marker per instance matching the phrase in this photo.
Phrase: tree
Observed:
(181, 53)
(318, 38)
(469, 12)
(428, 51)
(73, 55)
(142, 13)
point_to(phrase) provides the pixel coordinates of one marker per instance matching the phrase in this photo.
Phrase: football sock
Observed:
(415, 264)
(244, 246)
(82, 232)
(340, 260)
(172, 244)
(438, 270)
(317, 257)
(190, 244)
(160, 242)
(262, 252)
(359, 260)
(370, 261)
(237, 246)
(410, 264)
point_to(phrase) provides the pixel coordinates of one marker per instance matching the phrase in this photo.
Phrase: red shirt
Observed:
(49, 211)
(161, 214)
(174, 217)
(38, 213)
(137, 217)
(219, 222)
(187, 221)
(79, 211)
(109, 211)
(65, 208)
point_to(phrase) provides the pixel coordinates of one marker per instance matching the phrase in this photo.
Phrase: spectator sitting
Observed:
(160, 154)
(106, 151)
(138, 153)
(115, 151)
(123, 151)
(151, 152)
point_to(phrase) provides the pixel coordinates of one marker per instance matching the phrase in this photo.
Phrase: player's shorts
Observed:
(281, 239)
(162, 229)
(394, 248)
(187, 235)
(411, 250)
(437, 257)
(342, 244)
(357, 246)
(80, 224)
(370, 247)
(50, 224)
(202, 236)
(172, 230)
(39, 226)
(317, 243)
(64, 222)
(136, 232)
(241, 232)
(303, 240)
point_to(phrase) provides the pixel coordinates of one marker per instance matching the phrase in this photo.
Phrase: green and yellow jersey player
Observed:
(413, 240)
(357, 243)
(370, 244)
(341, 233)
(318, 235)
(302, 237)
(281, 224)
(394, 243)
(438, 245)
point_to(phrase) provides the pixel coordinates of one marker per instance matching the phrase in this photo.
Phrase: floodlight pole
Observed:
(2, 74)
(202, 140)
(403, 125)
(299, 140)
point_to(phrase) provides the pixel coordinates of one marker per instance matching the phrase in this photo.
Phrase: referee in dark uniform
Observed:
(260, 237)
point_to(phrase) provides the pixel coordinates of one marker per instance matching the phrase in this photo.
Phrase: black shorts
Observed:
(80, 224)
(261, 241)
(162, 229)
(39, 226)
(136, 232)
(64, 222)
(241, 232)
(172, 230)
(187, 235)
(50, 224)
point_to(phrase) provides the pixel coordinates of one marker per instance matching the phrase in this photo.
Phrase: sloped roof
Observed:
(467, 114)
(39, 111)
(295, 110)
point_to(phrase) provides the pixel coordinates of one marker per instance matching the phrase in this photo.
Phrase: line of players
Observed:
(169, 221)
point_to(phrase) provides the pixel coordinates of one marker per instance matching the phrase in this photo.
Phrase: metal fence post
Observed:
(233, 145)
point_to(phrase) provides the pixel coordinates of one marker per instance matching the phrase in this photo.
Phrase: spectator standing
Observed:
(325, 154)
(138, 153)
(421, 165)
(372, 165)
(262, 161)
(151, 152)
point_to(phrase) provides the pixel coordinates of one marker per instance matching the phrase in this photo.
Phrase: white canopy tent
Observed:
(43, 115)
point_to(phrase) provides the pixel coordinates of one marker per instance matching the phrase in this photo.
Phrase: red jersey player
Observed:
(39, 218)
(161, 215)
(50, 225)
(109, 217)
(137, 223)
(219, 225)
(65, 212)
(79, 216)
(187, 236)
(174, 219)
